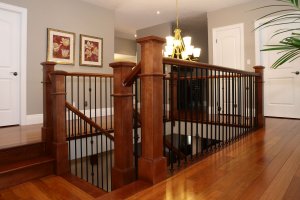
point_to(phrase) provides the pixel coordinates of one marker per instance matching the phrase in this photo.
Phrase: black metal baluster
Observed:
(79, 125)
(164, 110)
(136, 136)
(179, 109)
(197, 100)
(219, 108)
(240, 104)
(202, 90)
(224, 107)
(185, 112)
(91, 128)
(101, 113)
(111, 103)
(207, 108)
(96, 131)
(215, 108)
(106, 123)
(86, 134)
(191, 114)
(106, 154)
(234, 105)
(211, 108)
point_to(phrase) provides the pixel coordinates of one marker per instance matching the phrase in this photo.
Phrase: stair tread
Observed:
(5, 168)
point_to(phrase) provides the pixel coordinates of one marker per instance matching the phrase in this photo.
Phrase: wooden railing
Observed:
(237, 112)
(154, 103)
(208, 107)
(79, 108)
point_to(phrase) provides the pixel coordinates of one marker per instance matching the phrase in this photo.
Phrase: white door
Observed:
(228, 46)
(228, 51)
(10, 45)
(282, 85)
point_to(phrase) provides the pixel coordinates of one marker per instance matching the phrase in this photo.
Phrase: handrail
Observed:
(205, 77)
(81, 74)
(88, 120)
(131, 77)
(185, 63)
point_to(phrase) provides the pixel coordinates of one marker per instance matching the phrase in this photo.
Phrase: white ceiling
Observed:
(132, 15)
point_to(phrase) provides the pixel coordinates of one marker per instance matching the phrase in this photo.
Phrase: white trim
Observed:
(257, 43)
(241, 27)
(33, 119)
(38, 118)
(23, 59)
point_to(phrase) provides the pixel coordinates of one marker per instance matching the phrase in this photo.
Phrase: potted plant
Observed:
(289, 46)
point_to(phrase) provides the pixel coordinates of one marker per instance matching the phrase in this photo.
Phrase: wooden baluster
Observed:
(123, 170)
(152, 164)
(47, 134)
(260, 95)
(60, 146)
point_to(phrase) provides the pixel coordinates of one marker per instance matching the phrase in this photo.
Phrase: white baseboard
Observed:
(33, 119)
(38, 118)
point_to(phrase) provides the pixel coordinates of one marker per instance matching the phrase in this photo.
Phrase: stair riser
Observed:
(21, 153)
(19, 176)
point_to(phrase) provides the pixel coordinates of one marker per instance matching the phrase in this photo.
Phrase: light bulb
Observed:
(196, 52)
(187, 41)
(170, 40)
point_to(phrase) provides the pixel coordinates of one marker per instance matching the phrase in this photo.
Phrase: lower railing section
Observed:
(90, 150)
(89, 125)
(206, 108)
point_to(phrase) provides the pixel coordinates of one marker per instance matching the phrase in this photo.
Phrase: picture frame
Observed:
(60, 46)
(91, 51)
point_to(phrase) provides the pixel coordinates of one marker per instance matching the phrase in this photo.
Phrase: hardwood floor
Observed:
(263, 165)
(19, 135)
(50, 187)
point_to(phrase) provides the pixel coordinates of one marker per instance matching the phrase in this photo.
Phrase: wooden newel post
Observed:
(260, 95)
(47, 135)
(152, 164)
(123, 170)
(60, 146)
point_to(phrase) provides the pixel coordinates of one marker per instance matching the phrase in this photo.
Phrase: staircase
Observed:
(24, 163)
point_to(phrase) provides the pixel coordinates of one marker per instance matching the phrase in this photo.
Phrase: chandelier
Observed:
(178, 47)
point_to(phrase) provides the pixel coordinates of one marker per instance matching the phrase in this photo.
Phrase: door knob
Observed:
(297, 72)
(14, 73)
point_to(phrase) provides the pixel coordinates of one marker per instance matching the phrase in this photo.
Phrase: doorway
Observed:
(282, 85)
(13, 37)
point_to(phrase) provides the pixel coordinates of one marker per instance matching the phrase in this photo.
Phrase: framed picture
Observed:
(91, 51)
(61, 47)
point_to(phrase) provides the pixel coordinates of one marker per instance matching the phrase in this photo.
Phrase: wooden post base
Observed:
(61, 156)
(122, 177)
(153, 171)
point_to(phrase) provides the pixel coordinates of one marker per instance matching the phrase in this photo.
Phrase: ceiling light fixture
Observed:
(158, 12)
(178, 47)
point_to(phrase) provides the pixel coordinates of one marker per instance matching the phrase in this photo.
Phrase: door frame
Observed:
(23, 59)
(241, 27)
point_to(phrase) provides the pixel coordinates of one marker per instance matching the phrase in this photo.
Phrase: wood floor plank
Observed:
(293, 191)
(280, 184)
(60, 185)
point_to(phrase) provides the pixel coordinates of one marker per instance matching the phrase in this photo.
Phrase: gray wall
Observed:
(125, 46)
(239, 14)
(69, 15)
(196, 27)
(161, 30)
